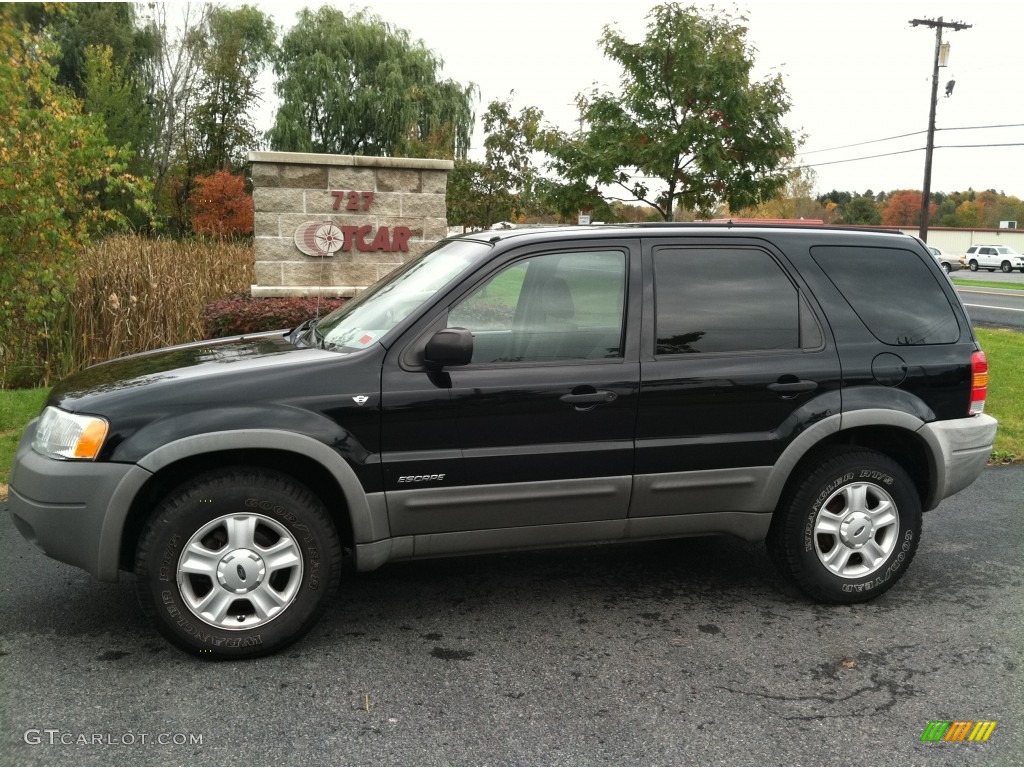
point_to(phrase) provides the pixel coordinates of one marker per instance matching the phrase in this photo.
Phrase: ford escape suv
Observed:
(817, 388)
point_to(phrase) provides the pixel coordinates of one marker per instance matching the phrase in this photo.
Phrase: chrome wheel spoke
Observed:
(199, 560)
(215, 604)
(872, 554)
(241, 531)
(856, 498)
(837, 557)
(282, 554)
(266, 601)
(883, 515)
(828, 523)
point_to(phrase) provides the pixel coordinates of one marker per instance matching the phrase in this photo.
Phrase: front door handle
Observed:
(793, 387)
(589, 398)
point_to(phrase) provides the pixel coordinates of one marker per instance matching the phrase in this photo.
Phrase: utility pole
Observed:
(926, 194)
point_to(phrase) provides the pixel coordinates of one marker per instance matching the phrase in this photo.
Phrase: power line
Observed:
(914, 133)
(856, 159)
(907, 151)
(861, 143)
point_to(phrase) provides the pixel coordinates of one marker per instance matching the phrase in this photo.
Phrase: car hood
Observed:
(200, 363)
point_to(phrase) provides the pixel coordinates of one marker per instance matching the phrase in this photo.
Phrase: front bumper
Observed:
(72, 510)
(964, 447)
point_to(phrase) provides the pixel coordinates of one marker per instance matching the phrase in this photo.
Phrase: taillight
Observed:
(979, 382)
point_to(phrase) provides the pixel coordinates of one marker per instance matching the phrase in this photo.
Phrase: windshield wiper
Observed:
(301, 334)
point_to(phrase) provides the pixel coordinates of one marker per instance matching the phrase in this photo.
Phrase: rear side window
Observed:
(893, 292)
(711, 300)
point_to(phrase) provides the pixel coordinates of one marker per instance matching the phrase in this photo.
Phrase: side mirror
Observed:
(448, 347)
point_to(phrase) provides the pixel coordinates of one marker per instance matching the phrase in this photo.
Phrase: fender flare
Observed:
(367, 513)
(867, 417)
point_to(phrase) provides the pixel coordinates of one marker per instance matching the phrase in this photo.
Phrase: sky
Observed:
(856, 71)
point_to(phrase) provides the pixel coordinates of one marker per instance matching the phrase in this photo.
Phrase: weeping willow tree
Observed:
(356, 85)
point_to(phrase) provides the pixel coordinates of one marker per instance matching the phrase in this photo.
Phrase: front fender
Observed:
(197, 423)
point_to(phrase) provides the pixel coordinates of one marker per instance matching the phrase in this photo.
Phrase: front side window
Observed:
(555, 307)
(723, 300)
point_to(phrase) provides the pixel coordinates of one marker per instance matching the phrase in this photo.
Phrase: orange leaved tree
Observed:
(220, 206)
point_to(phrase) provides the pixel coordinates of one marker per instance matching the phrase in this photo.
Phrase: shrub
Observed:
(233, 317)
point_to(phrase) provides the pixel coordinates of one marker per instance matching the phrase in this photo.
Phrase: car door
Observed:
(735, 362)
(544, 414)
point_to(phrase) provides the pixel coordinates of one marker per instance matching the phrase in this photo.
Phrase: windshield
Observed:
(358, 323)
(1006, 251)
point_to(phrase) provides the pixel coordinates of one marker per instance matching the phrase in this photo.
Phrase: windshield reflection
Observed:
(363, 321)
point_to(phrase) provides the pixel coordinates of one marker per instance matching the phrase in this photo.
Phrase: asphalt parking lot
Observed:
(685, 652)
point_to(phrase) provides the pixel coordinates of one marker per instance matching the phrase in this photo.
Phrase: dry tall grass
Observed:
(134, 294)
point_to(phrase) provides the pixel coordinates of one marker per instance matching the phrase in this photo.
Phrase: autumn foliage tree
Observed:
(903, 209)
(56, 169)
(220, 206)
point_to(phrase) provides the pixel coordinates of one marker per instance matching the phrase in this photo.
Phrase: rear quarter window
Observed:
(893, 291)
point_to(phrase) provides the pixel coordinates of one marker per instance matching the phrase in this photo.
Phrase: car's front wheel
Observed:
(237, 563)
(974, 265)
(945, 267)
(848, 526)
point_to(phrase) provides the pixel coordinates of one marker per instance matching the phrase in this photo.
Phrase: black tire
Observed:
(945, 267)
(271, 552)
(800, 543)
(974, 265)
(1005, 266)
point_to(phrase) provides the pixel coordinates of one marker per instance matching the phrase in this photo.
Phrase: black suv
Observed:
(811, 386)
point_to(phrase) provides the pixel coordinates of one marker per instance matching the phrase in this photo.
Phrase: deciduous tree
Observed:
(903, 209)
(239, 44)
(220, 205)
(689, 124)
(55, 163)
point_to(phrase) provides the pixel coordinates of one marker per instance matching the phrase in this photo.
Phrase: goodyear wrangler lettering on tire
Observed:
(847, 526)
(245, 582)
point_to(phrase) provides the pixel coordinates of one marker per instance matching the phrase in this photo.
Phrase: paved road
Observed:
(993, 306)
(687, 652)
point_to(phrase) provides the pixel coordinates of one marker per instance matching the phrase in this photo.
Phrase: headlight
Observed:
(63, 435)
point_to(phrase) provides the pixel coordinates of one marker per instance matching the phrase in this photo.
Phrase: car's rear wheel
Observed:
(237, 563)
(1005, 266)
(945, 267)
(974, 265)
(848, 526)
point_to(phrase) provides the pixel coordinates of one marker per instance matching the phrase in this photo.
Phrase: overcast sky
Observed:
(856, 71)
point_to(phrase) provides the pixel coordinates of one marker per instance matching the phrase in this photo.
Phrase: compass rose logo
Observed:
(319, 238)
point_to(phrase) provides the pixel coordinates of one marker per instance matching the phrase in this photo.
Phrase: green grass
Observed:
(1005, 352)
(17, 408)
(988, 284)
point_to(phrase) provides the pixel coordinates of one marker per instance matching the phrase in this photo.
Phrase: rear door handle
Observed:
(793, 387)
(589, 398)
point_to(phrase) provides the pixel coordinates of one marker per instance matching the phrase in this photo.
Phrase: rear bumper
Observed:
(72, 510)
(964, 447)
